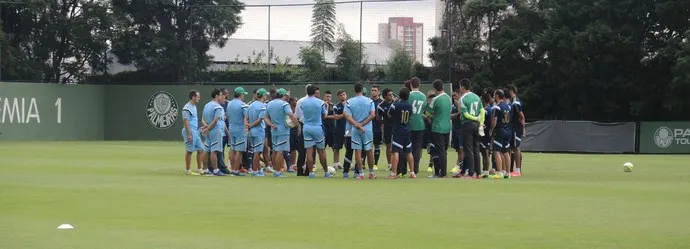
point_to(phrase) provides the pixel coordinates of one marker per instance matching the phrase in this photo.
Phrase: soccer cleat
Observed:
(496, 176)
(360, 177)
(327, 175)
(455, 169)
(413, 175)
(292, 169)
(515, 174)
(278, 174)
(372, 175)
(346, 175)
(392, 176)
(243, 170)
(312, 175)
(269, 169)
(258, 174)
(457, 175)
(376, 167)
(207, 172)
(506, 176)
(429, 169)
(238, 173)
(220, 173)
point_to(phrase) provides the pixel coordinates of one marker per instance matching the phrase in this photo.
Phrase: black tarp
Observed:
(579, 136)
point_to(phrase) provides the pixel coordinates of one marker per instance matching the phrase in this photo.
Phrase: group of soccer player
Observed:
(275, 130)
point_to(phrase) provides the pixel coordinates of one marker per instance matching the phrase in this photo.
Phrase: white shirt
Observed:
(298, 110)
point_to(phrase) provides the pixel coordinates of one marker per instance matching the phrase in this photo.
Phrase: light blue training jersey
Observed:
(359, 108)
(257, 110)
(277, 110)
(237, 110)
(312, 110)
(211, 111)
(189, 112)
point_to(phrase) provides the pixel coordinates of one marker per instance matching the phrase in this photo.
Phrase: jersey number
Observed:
(473, 109)
(417, 106)
(404, 117)
(506, 117)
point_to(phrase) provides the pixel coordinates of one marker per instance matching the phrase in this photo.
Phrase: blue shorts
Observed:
(402, 143)
(314, 136)
(257, 143)
(517, 138)
(195, 144)
(214, 141)
(280, 142)
(456, 139)
(238, 143)
(502, 140)
(362, 140)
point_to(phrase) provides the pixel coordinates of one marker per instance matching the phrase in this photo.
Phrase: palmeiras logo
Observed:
(663, 137)
(161, 110)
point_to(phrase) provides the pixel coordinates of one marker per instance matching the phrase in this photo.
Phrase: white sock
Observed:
(517, 170)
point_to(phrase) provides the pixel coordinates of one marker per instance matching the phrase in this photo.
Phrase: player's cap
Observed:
(240, 90)
(261, 92)
(283, 92)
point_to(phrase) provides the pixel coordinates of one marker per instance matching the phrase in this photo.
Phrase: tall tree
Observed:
(55, 41)
(350, 57)
(399, 65)
(313, 63)
(323, 23)
(172, 36)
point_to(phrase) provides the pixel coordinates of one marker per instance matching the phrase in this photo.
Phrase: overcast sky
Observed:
(294, 22)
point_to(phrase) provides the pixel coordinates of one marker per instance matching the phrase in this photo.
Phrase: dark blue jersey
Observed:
(399, 114)
(488, 113)
(328, 124)
(225, 107)
(516, 109)
(382, 111)
(457, 121)
(502, 111)
(340, 123)
(376, 124)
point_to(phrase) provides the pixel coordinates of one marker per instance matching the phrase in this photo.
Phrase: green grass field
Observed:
(134, 195)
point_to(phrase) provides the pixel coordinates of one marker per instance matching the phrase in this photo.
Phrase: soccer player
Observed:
(255, 119)
(399, 115)
(518, 125)
(360, 112)
(190, 134)
(301, 156)
(277, 111)
(472, 119)
(237, 112)
(502, 134)
(456, 138)
(485, 146)
(328, 124)
(386, 122)
(340, 123)
(430, 147)
(295, 140)
(376, 123)
(268, 161)
(440, 107)
(214, 116)
(314, 110)
(417, 126)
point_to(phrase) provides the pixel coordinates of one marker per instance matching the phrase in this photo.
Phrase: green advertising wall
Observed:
(665, 137)
(152, 112)
(31, 111)
(50, 112)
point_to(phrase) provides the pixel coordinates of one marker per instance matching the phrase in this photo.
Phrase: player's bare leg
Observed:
(518, 160)
(214, 161)
(278, 161)
(310, 160)
(358, 164)
(188, 161)
(486, 158)
(370, 162)
(410, 164)
(506, 164)
(200, 161)
(499, 162)
(324, 162)
(394, 161)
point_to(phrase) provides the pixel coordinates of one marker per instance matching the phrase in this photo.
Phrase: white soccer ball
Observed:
(331, 170)
(288, 122)
(628, 167)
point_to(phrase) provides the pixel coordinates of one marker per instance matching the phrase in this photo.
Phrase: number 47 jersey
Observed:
(417, 101)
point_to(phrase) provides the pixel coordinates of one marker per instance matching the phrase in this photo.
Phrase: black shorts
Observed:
(387, 134)
(293, 139)
(338, 141)
(456, 139)
(329, 138)
(402, 143)
(377, 138)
